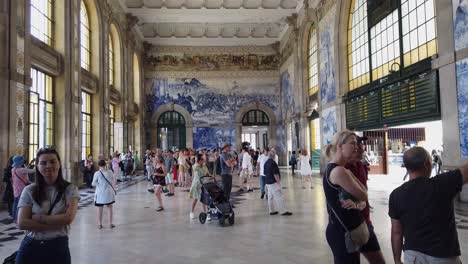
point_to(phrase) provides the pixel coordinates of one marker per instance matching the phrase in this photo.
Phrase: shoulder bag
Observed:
(115, 192)
(356, 238)
(12, 258)
(25, 183)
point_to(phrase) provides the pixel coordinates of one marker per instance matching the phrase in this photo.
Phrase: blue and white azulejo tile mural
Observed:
(212, 100)
(327, 56)
(213, 137)
(329, 124)
(287, 95)
(460, 16)
(462, 87)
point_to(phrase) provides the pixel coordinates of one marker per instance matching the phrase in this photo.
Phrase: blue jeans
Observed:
(262, 183)
(54, 251)
(15, 208)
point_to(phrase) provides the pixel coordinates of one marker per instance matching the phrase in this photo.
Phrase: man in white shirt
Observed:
(246, 170)
(260, 167)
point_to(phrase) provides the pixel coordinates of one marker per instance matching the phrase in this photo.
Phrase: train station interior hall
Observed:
(196, 131)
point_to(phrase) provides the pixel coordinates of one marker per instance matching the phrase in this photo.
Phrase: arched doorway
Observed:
(171, 132)
(255, 125)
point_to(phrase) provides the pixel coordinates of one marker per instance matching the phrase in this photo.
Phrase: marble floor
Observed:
(143, 235)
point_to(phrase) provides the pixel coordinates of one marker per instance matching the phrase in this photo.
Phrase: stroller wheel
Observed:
(202, 218)
(231, 219)
(221, 220)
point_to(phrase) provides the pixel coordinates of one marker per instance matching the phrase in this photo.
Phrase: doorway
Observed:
(171, 131)
(255, 125)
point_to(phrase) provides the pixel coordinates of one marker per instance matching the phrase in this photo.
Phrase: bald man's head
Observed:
(417, 159)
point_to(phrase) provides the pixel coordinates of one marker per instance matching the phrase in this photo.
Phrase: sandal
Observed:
(112, 226)
(159, 209)
(100, 226)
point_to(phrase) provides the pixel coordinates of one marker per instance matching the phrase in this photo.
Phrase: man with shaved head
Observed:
(422, 213)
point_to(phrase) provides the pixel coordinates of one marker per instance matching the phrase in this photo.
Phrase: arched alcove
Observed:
(171, 107)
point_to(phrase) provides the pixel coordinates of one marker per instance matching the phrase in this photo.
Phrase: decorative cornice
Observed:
(212, 49)
(131, 20)
(114, 95)
(46, 58)
(210, 74)
(89, 81)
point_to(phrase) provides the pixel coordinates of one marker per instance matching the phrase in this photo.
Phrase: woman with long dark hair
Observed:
(46, 210)
(159, 180)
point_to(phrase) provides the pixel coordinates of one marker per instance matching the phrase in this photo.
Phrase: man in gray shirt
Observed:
(169, 172)
(227, 165)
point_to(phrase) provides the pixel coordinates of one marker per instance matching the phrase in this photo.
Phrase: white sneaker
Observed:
(208, 217)
(192, 215)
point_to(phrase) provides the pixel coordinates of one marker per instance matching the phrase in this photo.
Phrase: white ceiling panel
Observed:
(215, 22)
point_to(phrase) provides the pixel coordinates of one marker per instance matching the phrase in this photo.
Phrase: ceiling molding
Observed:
(211, 22)
(212, 4)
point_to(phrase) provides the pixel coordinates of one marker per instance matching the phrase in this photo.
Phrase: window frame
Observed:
(398, 64)
(111, 60)
(85, 58)
(47, 37)
(41, 121)
(86, 119)
(111, 127)
(312, 67)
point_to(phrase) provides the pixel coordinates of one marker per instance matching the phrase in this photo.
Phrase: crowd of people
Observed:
(421, 210)
(166, 170)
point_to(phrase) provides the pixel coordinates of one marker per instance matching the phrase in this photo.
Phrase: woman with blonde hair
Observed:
(346, 231)
(181, 162)
(306, 170)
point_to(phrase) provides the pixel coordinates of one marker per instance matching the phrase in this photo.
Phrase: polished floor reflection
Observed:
(143, 235)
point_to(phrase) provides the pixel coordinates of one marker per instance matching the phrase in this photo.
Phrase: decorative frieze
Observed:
(210, 74)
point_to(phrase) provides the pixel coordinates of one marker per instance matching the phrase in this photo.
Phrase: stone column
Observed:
(5, 72)
(68, 89)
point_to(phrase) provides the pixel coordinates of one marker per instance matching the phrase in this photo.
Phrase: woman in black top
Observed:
(343, 192)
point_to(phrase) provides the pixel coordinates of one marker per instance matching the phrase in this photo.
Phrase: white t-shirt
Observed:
(261, 161)
(247, 162)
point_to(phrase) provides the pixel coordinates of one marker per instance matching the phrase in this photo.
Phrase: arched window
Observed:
(171, 131)
(111, 60)
(42, 20)
(312, 55)
(399, 37)
(85, 34)
(255, 118)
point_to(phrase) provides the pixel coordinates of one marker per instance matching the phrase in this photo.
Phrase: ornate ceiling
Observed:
(211, 22)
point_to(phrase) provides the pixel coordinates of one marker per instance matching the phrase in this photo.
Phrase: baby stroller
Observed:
(212, 195)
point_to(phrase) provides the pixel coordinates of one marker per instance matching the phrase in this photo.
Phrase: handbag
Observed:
(115, 192)
(356, 238)
(12, 258)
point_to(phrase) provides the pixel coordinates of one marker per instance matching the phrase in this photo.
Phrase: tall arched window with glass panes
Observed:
(390, 77)
(312, 62)
(395, 38)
